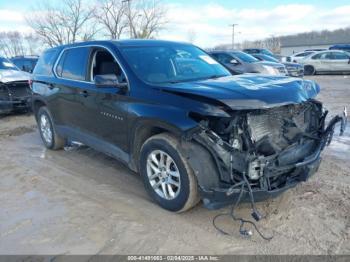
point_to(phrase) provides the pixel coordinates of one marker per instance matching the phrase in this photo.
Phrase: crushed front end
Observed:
(271, 150)
(15, 96)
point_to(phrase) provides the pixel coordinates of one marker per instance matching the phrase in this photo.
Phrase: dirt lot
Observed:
(82, 202)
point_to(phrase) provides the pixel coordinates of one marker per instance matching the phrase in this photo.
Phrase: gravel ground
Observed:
(83, 202)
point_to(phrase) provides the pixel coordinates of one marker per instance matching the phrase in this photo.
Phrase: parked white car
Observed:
(297, 57)
(330, 61)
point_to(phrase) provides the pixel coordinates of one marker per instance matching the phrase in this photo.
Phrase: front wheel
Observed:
(47, 131)
(167, 176)
(309, 70)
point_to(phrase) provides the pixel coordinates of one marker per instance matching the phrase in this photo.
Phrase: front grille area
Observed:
(274, 129)
(4, 93)
(19, 90)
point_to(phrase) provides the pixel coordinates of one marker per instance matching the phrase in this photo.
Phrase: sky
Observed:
(207, 21)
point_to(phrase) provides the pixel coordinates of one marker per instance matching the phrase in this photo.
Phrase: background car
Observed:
(25, 63)
(315, 49)
(294, 69)
(297, 57)
(15, 93)
(327, 62)
(340, 47)
(238, 62)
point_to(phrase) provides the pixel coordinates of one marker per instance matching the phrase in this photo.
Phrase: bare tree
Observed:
(33, 44)
(146, 18)
(14, 43)
(112, 17)
(63, 23)
(273, 43)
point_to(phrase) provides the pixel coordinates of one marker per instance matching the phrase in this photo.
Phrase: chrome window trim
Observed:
(84, 81)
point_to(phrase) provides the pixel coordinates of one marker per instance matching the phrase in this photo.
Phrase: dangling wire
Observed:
(242, 221)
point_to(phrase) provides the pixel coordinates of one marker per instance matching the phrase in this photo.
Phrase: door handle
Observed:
(51, 86)
(84, 93)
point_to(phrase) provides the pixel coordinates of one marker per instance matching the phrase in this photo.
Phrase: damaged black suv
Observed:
(176, 116)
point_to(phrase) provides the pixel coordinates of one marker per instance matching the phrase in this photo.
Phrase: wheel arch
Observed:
(309, 66)
(142, 131)
(206, 171)
(36, 104)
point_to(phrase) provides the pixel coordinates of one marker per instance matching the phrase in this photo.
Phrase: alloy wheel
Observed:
(45, 128)
(163, 174)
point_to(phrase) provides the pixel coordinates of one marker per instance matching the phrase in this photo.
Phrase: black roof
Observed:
(129, 42)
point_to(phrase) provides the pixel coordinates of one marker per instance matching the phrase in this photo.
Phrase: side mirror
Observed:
(234, 62)
(110, 80)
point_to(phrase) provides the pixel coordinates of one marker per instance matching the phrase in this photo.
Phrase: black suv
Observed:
(176, 116)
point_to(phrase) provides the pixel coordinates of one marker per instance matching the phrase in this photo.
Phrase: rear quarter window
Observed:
(46, 62)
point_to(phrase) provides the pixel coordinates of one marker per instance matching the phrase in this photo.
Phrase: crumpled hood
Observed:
(251, 91)
(7, 75)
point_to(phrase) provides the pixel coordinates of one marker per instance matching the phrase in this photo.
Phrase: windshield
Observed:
(245, 57)
(172, 64)
(6, 64)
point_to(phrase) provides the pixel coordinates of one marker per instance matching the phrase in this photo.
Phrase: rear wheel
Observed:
(47, 131)
(167, 177)
(309, 70)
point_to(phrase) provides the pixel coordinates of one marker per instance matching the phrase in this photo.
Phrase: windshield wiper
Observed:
(215, 76)
(195, 79)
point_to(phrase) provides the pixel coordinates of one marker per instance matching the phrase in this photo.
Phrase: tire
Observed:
(47, 130)
(309, 70)
(185, 195)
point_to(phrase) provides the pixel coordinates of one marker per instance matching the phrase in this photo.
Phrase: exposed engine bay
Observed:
(259, 154)
(273, 148)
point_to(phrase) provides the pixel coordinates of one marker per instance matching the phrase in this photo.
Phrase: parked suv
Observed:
(344, 47)
(172, 113)
(15, 93)
(238, 62)
(25, 63)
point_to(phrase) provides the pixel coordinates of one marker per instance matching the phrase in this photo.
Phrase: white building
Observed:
(313, 40)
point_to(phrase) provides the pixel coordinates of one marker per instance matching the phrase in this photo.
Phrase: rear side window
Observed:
(339, 56)
(72, 64)
(46, 62)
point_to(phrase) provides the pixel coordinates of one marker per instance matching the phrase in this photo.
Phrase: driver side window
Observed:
(103, 63)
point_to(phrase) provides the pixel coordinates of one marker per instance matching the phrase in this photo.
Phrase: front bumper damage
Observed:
(15, 96)
(273, 151)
